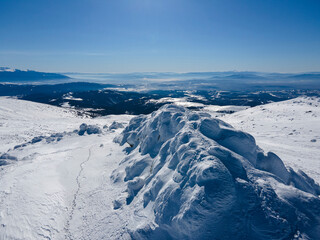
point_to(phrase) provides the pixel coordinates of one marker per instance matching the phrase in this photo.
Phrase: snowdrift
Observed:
(196, 177)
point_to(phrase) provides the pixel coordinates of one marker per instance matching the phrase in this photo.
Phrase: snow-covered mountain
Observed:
(16, 75)
(173, 174)
(6, 69)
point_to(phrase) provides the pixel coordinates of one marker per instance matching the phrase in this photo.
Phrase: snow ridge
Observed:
(190, 176)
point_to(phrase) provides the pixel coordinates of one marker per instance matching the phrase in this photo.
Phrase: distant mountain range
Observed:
(143, 81)
(9, 75)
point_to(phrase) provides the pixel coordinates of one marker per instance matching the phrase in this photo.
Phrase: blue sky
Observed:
(166, 35)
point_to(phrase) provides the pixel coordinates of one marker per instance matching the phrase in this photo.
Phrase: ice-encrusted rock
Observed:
(6, 158)
(93, 129)
(115, 125)
(202, 179)
(89, 129)
(37, 139)
(82, 129)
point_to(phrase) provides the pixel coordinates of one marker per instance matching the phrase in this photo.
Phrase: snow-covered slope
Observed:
(290, 128)
(57, 185)
(175, 174)
(21, 121)
(189, 176)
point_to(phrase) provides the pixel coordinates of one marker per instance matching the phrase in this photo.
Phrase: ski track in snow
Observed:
(74, 201)
(87, 209)
(44, 194)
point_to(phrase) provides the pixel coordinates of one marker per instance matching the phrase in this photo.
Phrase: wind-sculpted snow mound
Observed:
(195, 177)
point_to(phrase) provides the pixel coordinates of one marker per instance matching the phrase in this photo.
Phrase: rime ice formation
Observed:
(195, 177)
(289, 128)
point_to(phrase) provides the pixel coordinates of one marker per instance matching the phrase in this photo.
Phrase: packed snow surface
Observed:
(21, 121)
(173, 174)
(56, 181)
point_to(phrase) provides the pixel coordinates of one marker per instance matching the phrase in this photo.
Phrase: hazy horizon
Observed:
(163, 72)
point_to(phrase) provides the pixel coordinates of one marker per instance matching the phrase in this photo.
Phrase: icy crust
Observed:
(200, 178)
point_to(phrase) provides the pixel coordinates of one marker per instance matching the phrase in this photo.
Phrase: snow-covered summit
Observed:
(16, 75)
(6, 69)
(190, 176)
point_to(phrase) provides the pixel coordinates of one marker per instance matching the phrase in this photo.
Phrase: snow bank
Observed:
(190, 176)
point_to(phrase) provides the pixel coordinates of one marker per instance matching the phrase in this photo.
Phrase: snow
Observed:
(20, 121)
(177, 101)
(59, 186)
(198, 97)
(66, 105)
(190, 176)
(59, 191)
(217, 110)
(5, 69)
(69, 96)
(290, 128)
(172, 174)
(72, 98)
